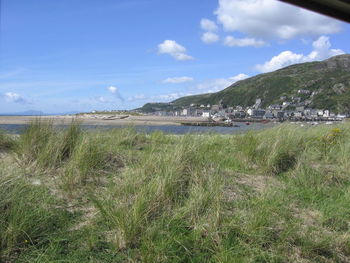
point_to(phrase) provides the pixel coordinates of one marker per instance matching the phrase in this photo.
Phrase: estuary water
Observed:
(170, 129)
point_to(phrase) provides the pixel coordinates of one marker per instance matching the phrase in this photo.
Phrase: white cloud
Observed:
(214, 85)
(178, 80)
(115, 92)
(243, 42)
(159, 98)
(208, 25)
(113, 89)
(220, 84)
(209, 37)
(170, 96)
(14, 97)
(137, 97)
(321, 50)
(283, 59)
(173, 49)
(102, 99)
(267, 19)
(239, 77)
(204, 87)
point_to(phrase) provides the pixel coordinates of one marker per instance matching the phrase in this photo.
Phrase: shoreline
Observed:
(98, 120)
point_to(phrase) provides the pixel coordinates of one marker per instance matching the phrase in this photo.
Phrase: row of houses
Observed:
(276, 111)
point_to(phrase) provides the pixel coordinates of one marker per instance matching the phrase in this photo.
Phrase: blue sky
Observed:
(81, 55)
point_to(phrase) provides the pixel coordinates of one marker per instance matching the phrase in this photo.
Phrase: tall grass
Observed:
(6, 142)
(28, 219)
(278, 195)
(45, 145)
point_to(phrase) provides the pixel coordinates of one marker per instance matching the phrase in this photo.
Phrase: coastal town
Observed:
(294, 108)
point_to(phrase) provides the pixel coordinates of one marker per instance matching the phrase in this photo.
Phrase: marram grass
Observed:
(6, 142)
(278, 195)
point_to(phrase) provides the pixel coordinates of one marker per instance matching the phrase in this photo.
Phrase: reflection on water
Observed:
(171, 129)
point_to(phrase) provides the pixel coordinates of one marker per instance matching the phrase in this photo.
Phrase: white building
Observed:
(206, 114)
(256, 113)
(326, 113)
(304, 91)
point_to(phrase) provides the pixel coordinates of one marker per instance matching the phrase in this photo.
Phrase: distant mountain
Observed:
(24, 113)
(328, 81)
(64, 113)
(36, 113)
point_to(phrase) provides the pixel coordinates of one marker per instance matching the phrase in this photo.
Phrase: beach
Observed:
(99, 119)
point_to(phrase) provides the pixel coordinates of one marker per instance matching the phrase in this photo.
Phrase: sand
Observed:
(103, 119)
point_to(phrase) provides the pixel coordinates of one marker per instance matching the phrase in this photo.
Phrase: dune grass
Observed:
(6, 142)
(278, 195)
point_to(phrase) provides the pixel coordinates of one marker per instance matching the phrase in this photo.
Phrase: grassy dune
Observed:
(278, 195)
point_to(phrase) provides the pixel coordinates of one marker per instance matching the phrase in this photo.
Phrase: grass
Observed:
(46, 146)
(278, 195)
(6, 142)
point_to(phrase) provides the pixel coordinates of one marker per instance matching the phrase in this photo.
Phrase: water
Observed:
(170, 129)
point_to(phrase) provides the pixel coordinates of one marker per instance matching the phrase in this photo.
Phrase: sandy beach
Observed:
(103, 119)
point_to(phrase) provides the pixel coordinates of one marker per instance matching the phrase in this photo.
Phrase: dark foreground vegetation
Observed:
(278, 195)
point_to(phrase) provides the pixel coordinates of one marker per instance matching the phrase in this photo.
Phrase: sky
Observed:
(84, 55)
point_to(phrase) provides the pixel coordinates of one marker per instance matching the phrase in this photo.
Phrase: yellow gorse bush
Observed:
(336, 130)
(330, 139)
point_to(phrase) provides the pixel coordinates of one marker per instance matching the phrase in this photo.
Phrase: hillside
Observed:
(329, 79)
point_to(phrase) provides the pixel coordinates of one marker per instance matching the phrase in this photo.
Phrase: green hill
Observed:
(328, 79)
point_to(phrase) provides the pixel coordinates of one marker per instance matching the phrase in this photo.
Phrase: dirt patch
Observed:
(309, 217)
(237, 185)
(259, 183)
(89, 214)
(296, 256)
